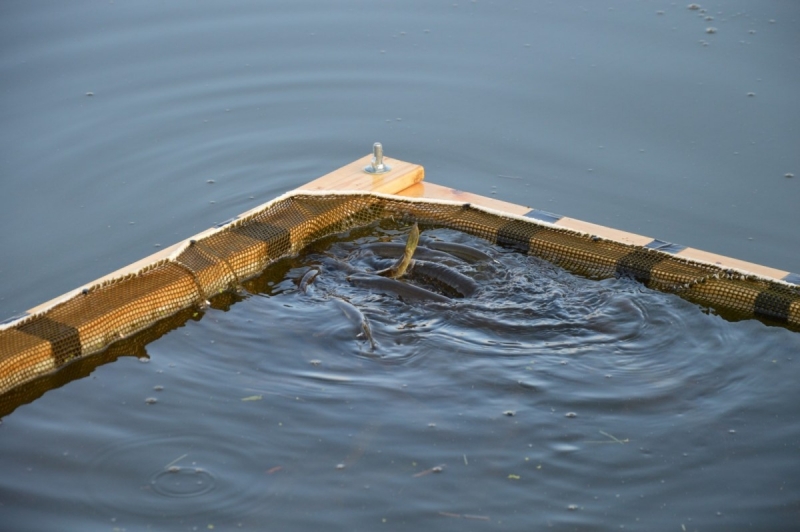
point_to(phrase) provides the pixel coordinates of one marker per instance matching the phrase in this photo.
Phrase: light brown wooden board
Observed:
(353, 177)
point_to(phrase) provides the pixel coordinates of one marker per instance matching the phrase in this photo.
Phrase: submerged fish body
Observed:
(396, 249)
(357, 317)
(405, 291)
(452, 280)
(462, 251)
(307, 279)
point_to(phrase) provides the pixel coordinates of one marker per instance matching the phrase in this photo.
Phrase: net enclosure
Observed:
(92, 319)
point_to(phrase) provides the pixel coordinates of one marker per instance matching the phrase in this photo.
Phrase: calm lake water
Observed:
(125, 126)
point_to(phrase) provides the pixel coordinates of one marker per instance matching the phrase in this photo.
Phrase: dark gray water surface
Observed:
(128, 125)
(544, 399)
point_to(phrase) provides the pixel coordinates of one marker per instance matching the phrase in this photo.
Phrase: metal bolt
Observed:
(377, 166)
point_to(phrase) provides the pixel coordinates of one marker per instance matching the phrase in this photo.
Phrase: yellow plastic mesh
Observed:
(100, 315)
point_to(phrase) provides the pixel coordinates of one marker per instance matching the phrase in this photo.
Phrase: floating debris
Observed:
(711, 30)
(465, 516)
(693, 7)
(509, 413)
(788, 175)
(570, 414)
(252, 398)
(151, 400)
(435, 469)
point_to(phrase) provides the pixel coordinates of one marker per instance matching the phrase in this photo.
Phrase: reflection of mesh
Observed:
(90, 321)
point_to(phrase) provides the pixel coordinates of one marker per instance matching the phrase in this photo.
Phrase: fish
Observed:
(398, 269)
(356, 316)
(405, 291)
(396, 249)
(440, 274)
(462, 251)
(307, 279)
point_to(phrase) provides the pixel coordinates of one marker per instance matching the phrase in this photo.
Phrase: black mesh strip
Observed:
(772, 306)
(64, 338)
(517, 234)
(639, 265)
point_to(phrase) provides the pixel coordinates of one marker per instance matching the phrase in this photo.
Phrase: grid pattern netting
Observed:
(98, 316)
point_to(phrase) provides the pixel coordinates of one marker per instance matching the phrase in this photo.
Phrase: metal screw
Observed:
(377, 166)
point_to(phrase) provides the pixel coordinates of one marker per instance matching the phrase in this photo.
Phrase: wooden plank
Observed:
(353, 177)
(602, 231)
(728, 262)
(434, 191)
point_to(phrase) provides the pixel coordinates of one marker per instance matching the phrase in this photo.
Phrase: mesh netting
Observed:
(100, 315)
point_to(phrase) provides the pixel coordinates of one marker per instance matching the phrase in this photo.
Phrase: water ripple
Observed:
(177, 475)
